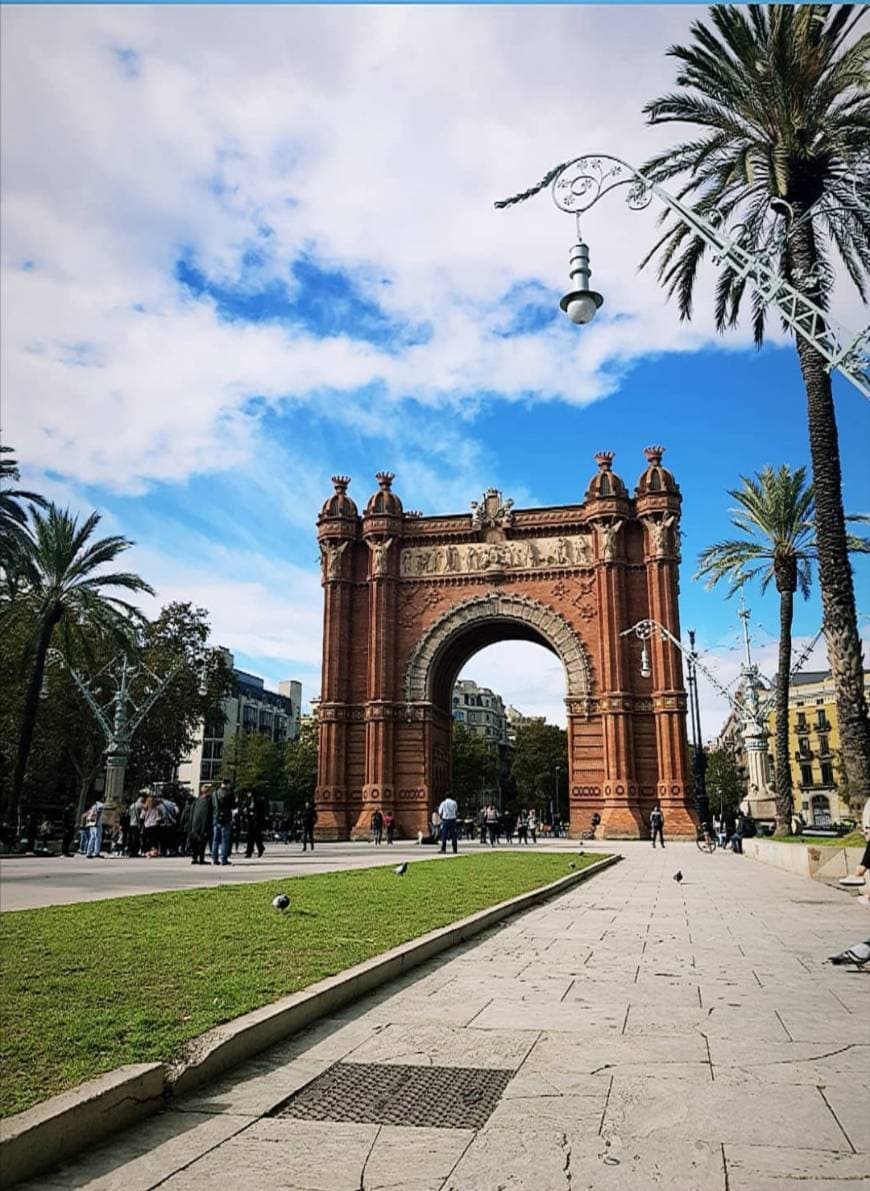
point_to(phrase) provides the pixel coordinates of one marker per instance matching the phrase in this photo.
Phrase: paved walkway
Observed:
(29, 881)
(655, 1034)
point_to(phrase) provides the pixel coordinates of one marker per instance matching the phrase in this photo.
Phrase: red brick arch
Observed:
(408, 599)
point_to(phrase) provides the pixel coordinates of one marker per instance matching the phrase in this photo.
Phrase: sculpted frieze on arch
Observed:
(522, 554)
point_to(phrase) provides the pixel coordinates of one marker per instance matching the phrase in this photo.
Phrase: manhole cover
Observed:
(391, 1094)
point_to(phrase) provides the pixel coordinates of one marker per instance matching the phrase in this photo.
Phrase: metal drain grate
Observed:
(391, 1094)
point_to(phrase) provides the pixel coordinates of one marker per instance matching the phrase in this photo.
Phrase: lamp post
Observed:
(557, 770)
(118, 717)
(699, 756)
(577, 185)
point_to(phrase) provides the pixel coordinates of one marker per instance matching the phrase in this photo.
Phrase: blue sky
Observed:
(245, 250)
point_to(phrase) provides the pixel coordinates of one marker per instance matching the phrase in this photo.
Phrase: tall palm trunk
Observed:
(784, 799)
(835, 573)
(31, 705)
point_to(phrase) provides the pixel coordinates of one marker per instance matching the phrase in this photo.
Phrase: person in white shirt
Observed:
(447, 812)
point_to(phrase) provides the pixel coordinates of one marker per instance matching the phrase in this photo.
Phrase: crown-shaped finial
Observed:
(385, 479)
(604, 459)
(341, 483)
(654, 455)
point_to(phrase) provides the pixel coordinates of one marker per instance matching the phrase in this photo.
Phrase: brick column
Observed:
(666, 679)
(332, 725)
(620, 817)
(378, 789)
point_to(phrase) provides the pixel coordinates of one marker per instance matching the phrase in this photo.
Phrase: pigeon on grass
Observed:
(401, 869)
(678, 876)
(858, 955)
(281, 902)
(571, 864)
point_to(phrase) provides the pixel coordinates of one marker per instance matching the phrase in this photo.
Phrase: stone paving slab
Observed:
(659, 1035)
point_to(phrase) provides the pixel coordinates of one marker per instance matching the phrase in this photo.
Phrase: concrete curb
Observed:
(43, 1136)
(818, 861)
(37, 1140)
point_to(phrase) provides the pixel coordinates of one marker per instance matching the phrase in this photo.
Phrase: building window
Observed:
(827, 773)
(801, 720)
(806, 775)
(821, 811)
(824, 747)
(804, 746)
(822, 722)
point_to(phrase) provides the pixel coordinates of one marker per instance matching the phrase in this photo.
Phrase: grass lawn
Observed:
(90, 987)
(855, 839)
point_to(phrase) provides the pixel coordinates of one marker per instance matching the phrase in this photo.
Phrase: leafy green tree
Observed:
(180, 633)
(256, 762)
(301, 766)
(68, 597)
(474, 767)
(538, 750)
(779, 97)
(726, 781)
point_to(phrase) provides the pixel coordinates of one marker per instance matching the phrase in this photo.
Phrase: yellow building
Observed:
(813, 745)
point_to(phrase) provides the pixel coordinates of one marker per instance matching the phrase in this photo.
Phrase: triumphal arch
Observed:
(409, 599)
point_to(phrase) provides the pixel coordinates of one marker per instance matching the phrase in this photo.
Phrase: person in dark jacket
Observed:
(309, 818)
(258, 808)
(657, 825)
(201, 825)
(223, 803)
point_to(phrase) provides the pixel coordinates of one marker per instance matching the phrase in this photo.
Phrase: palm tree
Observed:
(15, 540)
(68, 592)
(780, 94)
(775, 513)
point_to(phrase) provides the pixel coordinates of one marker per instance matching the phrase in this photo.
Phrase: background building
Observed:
(249, 707)
(813, 745)
(516, 719)
(481, 710)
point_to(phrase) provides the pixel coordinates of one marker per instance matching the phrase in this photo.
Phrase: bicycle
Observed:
(706, 840)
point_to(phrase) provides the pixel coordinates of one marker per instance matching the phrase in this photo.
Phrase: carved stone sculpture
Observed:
(332, 560)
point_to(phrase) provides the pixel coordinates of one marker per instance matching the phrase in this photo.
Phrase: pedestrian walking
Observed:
(258, 809)
(435, 822)
(447, 813)
(491, 815)
(377, 826)
(657, 825)
(94, 820)
(201, 824)
(523, 826)
(223, 802)
(596, 823)
(533, 825)
(309, 818)
(390, 826)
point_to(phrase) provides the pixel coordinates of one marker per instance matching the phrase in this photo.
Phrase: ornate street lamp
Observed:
(119, 716)
(577, 185)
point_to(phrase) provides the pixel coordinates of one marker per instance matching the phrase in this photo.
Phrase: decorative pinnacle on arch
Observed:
(385, 479)
(654, 455)
(341, 483)
(604, 459)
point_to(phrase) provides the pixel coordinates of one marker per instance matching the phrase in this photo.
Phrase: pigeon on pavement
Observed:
(678, 876)
(858, 955)
(281, 902)
(401, 869)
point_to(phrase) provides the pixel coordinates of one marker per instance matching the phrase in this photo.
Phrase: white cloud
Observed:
(378, 137)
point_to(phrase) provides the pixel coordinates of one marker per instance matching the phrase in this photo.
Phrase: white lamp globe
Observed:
(581, 309)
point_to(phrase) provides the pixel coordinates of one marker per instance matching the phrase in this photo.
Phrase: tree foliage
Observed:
(254, 762)
(474, 768)
(539, 748)
(300, 762)
(726, 782)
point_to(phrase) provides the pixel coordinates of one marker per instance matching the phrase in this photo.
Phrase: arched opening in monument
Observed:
(481, 627)
(509, 731)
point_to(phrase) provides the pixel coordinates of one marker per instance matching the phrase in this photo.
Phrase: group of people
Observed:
(156, 825)
(382, 824)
